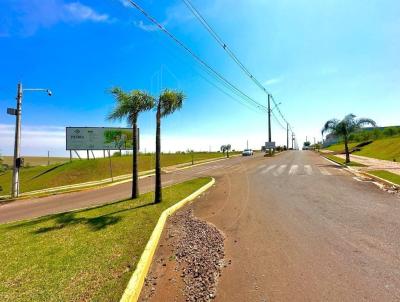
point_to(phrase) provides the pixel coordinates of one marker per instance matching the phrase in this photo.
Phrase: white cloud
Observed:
(78, 12)
(125, 3)
(30, 15)
(273, 81)
(148, 27)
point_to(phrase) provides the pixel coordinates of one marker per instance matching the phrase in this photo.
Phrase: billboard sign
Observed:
(270, 145)
(98, 138)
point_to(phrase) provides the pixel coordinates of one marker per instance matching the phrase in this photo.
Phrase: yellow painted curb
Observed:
(134, 287)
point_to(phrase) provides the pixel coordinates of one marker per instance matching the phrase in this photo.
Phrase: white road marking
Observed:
(308, 170)
(293, 169)
(265, 171)
(280, 170)
(324, 171)
(261, 166)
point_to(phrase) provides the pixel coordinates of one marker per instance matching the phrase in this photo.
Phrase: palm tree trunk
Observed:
(135, 182)
(158, 193)
(346, 148)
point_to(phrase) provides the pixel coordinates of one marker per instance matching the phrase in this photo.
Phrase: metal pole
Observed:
(48, 158)
(287, 136)
(15, 179)
(70, 156)
(269, 118)
(109, 156)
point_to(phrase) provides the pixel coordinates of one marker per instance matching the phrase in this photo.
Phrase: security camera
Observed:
(49, 93)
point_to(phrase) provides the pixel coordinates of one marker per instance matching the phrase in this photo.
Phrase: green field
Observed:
(341, 161)
(87, 255)
(395, 178)
(37, 160)
(387, 149)
(42, 177)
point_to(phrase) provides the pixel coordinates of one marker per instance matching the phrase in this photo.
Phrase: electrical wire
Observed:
(243, 95)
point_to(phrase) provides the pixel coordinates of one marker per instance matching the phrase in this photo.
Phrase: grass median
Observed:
(78, 171)
(342, 161)
(394, 178)
(86, 255)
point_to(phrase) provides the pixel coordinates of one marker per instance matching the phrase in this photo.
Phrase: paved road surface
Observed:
(300, 229)
(35, 207)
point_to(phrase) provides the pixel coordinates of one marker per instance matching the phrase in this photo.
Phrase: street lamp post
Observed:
(17, 143)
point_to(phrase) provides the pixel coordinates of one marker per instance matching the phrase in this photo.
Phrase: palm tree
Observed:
(345, 127)
(168, 102)
(129, 105)
(228, 148)
(225, 148)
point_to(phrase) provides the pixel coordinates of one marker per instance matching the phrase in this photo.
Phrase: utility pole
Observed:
(269, 118)
(48, 158)
(16, 161)
(247, 144)
(287, 136)
(292, 140)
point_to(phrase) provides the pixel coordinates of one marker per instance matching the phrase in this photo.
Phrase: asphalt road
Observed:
(298, 228)
(36, 207)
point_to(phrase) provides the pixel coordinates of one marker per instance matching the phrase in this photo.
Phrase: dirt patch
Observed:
(189, 263)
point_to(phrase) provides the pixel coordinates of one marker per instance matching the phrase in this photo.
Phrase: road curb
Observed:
(135, 284)
(388, 182)
(358, 173)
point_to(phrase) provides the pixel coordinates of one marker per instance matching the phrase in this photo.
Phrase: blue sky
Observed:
(321, 59)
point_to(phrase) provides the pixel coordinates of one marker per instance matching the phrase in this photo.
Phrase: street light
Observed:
(17, 112)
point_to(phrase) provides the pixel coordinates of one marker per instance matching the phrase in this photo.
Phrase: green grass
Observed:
(78, 171)
(395, 178)
(387, 149)
(341, 161)
(340, 147)
(86, 255)
(37, 160)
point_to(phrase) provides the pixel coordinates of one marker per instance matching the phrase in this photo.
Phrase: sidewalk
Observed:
(373, 163)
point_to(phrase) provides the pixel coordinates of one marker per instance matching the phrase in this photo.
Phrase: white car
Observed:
(247, 152)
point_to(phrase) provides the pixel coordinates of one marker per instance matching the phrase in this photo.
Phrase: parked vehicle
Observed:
(247, 152)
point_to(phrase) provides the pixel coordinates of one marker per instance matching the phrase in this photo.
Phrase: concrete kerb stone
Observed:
(135, 284)
(357, 173)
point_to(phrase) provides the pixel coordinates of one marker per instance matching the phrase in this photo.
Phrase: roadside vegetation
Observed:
(342, 161)
(385, 148)
(86, 255)
(42, 177)
(395, 178)
(128, 106)
(32, 161)
(168, 102)
(344, 128)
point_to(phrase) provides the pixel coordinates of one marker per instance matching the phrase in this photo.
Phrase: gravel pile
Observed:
(199, 252)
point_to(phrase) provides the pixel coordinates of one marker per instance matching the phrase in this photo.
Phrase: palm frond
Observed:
(366, 121)
(330, 126)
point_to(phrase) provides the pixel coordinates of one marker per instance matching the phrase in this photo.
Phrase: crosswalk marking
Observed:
(324, 171)
(308, 170)
(299, 170)
(280, 170)
(293, 169)
(268, 169)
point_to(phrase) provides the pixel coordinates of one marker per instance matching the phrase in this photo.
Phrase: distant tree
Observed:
(226, 148)
(307, 144)
(128, 106)
(168, 102)
(390, 131)
(345, 127)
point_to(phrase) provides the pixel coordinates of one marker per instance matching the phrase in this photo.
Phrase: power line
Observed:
(197, 58)
(219, 40)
